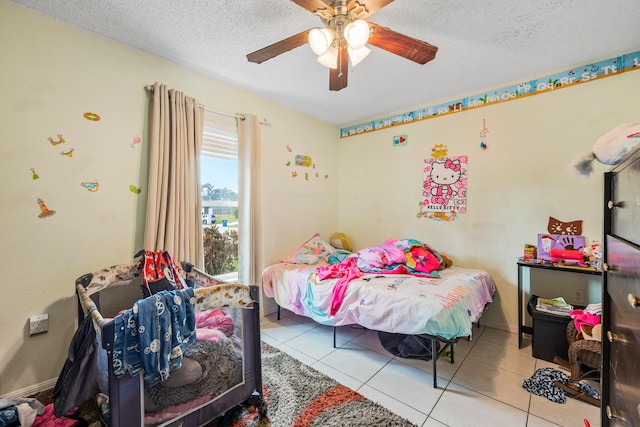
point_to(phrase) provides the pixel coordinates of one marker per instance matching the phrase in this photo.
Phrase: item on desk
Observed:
(566, 254)
(594, 254)
(547, 242)
(569, 258)
(554, 305)
(529, 252)
(569, 263)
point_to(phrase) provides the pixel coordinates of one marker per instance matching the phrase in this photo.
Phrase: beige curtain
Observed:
(174, 204)
(250, 203)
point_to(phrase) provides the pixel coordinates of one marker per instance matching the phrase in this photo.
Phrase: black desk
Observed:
(548, 266)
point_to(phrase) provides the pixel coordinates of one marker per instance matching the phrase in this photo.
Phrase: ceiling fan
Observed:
(344, 37)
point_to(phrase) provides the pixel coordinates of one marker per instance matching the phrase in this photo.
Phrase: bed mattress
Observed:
(406, 304)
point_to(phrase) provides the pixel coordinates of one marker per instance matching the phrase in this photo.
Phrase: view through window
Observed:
(219, 189)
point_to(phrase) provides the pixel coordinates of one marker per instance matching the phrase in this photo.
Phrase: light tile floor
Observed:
(482, 388)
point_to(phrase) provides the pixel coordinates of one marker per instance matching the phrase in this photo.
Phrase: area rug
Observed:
(300, 396)
(297, 396)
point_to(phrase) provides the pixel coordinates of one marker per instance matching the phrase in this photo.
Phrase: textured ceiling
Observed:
(481, 44)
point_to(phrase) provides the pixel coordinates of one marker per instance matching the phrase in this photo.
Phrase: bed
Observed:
(389, 294)
(208, 377)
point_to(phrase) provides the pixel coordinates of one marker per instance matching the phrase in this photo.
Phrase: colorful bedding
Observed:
(443, 306)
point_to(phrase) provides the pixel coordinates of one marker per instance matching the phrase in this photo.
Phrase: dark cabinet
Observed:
(621, 295)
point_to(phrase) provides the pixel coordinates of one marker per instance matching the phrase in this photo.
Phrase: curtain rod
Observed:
(221, 113)
(150, 89)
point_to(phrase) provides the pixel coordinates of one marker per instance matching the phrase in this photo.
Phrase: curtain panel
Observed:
(174, 203)
(250, 200)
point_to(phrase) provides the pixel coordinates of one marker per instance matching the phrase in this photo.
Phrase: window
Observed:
(219, 186)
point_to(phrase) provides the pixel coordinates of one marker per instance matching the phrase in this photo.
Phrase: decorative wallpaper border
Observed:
(571, 77)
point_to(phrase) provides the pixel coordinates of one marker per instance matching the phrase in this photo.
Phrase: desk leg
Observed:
(519, 306)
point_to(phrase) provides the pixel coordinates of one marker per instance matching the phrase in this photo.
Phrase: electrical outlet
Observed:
(38, 324)
(578, 296)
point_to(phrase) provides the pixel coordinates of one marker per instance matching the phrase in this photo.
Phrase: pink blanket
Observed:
(347, 270)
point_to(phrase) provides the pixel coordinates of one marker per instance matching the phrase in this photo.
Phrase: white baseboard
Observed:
(33, 389)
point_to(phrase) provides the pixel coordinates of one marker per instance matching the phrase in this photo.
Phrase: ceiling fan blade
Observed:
(372, 6)
(412, 49)
(278, 48)
(338, 76)
(313, 5)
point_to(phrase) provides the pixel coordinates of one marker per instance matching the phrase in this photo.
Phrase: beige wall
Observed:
(513, 186)
(51, 74)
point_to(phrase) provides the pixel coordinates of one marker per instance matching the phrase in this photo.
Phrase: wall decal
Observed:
(483, 135)
(92, 186)
(68, 153)
(302, 160)
(59, 141)
(34, 174)
(577, 75)
(44, 210)
(136, 141)
(91, 117)
(399, 140)
(134, 189)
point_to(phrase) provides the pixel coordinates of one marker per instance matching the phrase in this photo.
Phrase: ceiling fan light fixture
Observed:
(330, 58)
(357, 55)
(320, 40)
(356, 33)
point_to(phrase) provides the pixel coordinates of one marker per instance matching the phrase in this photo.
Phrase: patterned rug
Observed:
(297, 396)
(300, 396)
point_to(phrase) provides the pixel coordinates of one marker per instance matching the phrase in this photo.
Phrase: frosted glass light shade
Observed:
(330, 58)
(357, 33)
(320, 40)
(357, 55)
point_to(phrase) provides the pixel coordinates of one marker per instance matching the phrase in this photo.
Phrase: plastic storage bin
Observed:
(549, 333)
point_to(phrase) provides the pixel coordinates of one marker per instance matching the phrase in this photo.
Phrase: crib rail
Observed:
(90, 308)
(209, 292)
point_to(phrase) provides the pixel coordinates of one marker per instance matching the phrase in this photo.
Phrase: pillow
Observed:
(312, 251)
(340, 241)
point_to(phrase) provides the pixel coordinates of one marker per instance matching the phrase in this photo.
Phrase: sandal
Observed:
(573, 390)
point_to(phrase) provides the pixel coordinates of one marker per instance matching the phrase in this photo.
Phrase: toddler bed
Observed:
(382, 289)
(213, 367)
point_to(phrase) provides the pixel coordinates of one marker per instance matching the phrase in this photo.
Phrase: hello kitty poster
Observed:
(444, 189)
